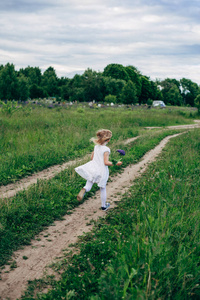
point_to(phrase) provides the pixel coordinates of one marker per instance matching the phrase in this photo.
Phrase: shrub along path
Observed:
(50, 243)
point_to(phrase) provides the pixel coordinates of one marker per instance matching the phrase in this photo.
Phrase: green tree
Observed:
(197, 103)
(129, 93)
(149, 90)
(64, 85)
(113, 86)
(173, 96)
(49, 82)
(76, 81)
(135, 77)
(9, 85)
(65, 92)
(36, 91)
(33, 74)
(93, 85)
(23, 88)
(73, 89)
(190, 90)
(78, 95)
(63, 81)
(116, 71)
(171, 92)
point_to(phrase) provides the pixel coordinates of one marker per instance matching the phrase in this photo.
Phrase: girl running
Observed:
(96, 170)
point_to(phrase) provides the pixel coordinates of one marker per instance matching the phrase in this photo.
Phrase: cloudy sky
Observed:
(161, 38)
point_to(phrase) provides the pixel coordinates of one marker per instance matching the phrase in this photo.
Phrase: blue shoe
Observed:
(106, 207)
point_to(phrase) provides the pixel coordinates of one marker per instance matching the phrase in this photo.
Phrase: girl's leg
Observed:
(88, 186)
(103, 197)
(85, 189)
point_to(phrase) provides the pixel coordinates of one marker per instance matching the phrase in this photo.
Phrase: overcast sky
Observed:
(161, 38)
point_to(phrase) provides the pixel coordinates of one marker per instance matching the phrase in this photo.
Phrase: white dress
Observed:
(95, 170)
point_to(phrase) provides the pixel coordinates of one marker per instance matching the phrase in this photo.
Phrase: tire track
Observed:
(51, 242)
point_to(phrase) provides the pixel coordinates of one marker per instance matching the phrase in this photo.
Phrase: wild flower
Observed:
(121, 152)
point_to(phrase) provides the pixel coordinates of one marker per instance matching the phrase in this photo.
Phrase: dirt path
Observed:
(10, 190)
(51, 242)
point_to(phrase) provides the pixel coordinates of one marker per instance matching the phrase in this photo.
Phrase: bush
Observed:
(149, 101)
(110, 99)
(80, 110)
(9, 107)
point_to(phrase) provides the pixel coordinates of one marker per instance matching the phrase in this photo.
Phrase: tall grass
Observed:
(148, 247)
(33, 139)
(161, 257)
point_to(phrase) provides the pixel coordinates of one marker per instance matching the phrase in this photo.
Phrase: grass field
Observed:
(33, 139)
(146, 248)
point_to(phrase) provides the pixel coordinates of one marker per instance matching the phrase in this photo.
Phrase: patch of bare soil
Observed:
(50, 243)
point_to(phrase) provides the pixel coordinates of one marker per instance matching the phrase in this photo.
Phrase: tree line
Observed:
(117, 84)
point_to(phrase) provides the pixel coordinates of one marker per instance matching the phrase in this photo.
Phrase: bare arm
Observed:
(106, 159)
(92, 155)
(109, 163)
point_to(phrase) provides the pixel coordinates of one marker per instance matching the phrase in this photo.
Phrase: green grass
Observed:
(26, 214)
(148, 246)
(35, 138)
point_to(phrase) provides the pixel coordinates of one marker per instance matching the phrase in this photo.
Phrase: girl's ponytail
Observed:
(103, 135)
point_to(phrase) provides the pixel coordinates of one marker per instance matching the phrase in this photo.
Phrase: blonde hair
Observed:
(103, 135)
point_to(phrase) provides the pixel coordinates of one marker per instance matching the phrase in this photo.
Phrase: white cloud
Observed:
(160, 38)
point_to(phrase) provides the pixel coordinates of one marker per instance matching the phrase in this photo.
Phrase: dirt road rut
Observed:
(51, 242)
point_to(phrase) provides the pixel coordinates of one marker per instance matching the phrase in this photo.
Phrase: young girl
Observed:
(96, 171)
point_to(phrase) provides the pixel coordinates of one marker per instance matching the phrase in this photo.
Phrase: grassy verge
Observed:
(146, 248)
(26, 214)
(35, 138)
